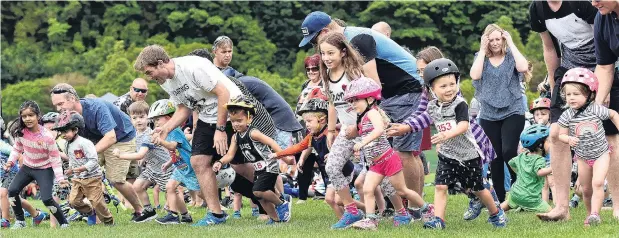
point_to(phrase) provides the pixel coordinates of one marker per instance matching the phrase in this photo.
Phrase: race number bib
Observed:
(260, 165)
(445, 126)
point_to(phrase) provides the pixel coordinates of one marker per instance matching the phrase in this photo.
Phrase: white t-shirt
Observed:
(345, 113)
(194, 79)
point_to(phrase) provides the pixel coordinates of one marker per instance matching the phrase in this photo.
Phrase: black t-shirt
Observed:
(462, 112)
(606, 38)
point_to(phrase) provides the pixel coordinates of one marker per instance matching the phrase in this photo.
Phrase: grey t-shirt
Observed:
(156, 155)
(82, 152)
(446, 117)
(587, 127)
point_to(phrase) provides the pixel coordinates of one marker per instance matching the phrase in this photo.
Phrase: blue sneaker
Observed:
(283, 212)
(435, 223)
(169, 219)
(499, 220)
(272, 222)
(255, 212)
(26, 213)
(4, 223)
(400, 219)
(39, 218)
(92, 219)
(347, 220)
(474, 209)
(288, 200)
(209, 220)
(236, 215)
(415, 214)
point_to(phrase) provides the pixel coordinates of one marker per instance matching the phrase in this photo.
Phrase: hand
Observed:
(165, 166)
(357, 147)
(187, 131)
(300, 166)
(507, 37)
(155, 138)
(272, 156)
(540, 87)
(63, 183)
(162, 132)
(398, 129)
(116, 152)
(69, 172)
(8, 166)
(606, 102)
(289, 160)
(351, 132)
(438, 138)
(483, 47)
(142, 162)
(326, 157)
(330, 138)
(216, 166)
(220, 143)
(573, 141)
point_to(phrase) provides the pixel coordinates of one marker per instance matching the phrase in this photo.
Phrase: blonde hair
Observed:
(150, 56)
(318, 115)
(492, 28)
(351, 59)
(138, 108)
(581, 88)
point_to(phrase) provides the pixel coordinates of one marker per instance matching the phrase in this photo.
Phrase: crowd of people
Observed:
(361, 123)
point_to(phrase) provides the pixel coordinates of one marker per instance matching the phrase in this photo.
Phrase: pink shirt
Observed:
(39, 151)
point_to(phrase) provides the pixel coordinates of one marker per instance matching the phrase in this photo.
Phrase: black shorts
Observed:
(556, 102)
(202, 143)
(264, 181)
(467, 173)
(609, 127)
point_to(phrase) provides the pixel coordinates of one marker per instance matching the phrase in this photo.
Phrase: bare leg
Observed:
(330, 199)
(206, 178)
(560, 162)
(584, 175)
(413, 172)
(600, 169)
(613, 177)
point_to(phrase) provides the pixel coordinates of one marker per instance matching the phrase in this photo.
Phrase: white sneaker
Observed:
(301, 201)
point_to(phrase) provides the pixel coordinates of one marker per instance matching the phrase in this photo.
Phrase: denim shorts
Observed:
(398, 108)
(283, 138)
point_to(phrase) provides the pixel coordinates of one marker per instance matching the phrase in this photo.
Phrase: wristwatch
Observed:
(221, 128)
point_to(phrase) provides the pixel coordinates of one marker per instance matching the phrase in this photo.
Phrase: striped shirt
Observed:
(378, 146)
(262, 120)
(156, 156)
(587, 127)
(38, 150)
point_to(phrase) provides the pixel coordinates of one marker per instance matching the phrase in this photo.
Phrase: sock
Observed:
(173, 212)
(403, 212)
(352, 208)
(424, 207)
(372, 217)
(218, 215)
(148, 207)
(185, 215)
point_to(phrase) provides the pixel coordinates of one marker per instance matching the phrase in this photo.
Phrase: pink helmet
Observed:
(540, 103)
(362, 88)
(582, 76)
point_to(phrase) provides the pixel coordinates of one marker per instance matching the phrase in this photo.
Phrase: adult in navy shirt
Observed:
(395, 68)
(606, 35)
(109, 128)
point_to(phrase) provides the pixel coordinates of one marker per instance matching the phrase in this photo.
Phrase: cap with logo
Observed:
(312, 25)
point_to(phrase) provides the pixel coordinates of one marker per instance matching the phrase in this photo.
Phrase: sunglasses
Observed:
(312, 69)
(139, 90)
(59, 91)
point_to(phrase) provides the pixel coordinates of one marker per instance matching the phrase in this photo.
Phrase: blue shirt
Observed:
(183, 151)
(101, 117)
(281, 112)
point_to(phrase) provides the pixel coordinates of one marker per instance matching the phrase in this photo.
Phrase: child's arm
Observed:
(262, 138)
(331, 124)
(228, 157)
(169, 145)
(544, 172)
(132, 156)
(16, 151)
(302, 159)
(461, 128)
(379, 128)
(614, 117)
(565, 138)
(295, 149)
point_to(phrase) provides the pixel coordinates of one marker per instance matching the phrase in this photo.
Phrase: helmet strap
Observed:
(367, 109)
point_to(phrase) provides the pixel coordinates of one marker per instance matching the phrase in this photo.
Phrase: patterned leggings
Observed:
(341, 152)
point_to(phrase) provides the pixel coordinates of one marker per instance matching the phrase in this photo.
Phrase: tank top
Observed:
(345, 113)
(255, 152)
(378, 146)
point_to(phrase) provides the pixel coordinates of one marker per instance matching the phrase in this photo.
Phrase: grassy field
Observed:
(314, 218)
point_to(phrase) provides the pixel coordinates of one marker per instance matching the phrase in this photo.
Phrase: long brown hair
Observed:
(429, 54)
(351, 59)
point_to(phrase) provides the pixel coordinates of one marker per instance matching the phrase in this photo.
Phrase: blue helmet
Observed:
(533, 135)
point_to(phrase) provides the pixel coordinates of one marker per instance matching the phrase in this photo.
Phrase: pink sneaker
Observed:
(428, 214)
(593, 220)
(366, 224)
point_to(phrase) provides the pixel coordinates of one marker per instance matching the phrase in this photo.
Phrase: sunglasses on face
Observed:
(59, 91)
(139, 90)
(312, 69)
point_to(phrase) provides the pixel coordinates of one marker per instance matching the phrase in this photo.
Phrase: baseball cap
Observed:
(313, 23)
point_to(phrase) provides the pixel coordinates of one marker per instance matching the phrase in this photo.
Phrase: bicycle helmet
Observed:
(540, 103)
(582, 76)
(241, 102)
(316, 102)
(69, 120)
(362, 88)
(49, 117)
(532, 137)
(438, 68)
(161, 108)
(225, 177)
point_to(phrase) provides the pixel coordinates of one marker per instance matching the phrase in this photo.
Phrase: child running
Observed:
(84, 166)
(41, 163)
(581, 128)
(160, 112)
(530, 166)
(256, 147)
(383, 161)
(154, 156)
(459, 155)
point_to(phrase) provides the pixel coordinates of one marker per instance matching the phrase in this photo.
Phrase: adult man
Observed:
(606, 35)
(137, 92)
(565, 24)
(222, 51)
(390, 64)
(194, 83)
(383, 28)
(109, 128)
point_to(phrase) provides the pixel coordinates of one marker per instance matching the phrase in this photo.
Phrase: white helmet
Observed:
(161, 108)
(225, 177)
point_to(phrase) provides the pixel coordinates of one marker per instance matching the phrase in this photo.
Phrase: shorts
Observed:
(467, 173)
(398, 108)
(7, 178)
(189, 181)
(116, 169)
(202, 143)
(541, 207)
(61, 193)
(388, 164)
(424, 162)
(264, 181)
(134, 170)
(155, 178)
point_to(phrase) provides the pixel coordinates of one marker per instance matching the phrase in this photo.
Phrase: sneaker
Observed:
(573, 203)
(400, 219)
(169, 219)
(146, 216)
(26, 213)
(499, 220)
(64, 226)
(474, 209)
(39, 218)
(272, 222)
(387, 213)
(434, 223)
(18, 225)
(236, 215)
(186, 219)
(428, 214)
(608, 204)
(92, 219)
(347, 220)
(288, 200)
(593, 220)
(283, 212)
(4, 223)
(135, 216)
(76, 216)
(255, 212)
(366, 224)
(415, 214)
(301, 201)
(210, 219)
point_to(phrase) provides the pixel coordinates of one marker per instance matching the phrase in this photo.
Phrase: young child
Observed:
(153, 156)
(256, 147)
(530, 166)
(581, 128)
(459, 155)
(540, 108)
(383, 161)
(160, 112)
(85, 169)
(41, 163)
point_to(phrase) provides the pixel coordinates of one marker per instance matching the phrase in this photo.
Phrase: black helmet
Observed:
(49, 117)
(69, 120)
(316, 102)
(439, 67)
(242, 102)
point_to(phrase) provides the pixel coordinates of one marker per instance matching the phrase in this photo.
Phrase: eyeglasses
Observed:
(312, 69)
(139, 90)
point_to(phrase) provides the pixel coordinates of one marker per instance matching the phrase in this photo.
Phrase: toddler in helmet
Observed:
(581, 128)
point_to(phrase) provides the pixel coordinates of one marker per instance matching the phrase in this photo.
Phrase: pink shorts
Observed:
(388, 164)
(590, 162)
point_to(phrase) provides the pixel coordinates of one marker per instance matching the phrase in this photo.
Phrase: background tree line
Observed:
(93, 44)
